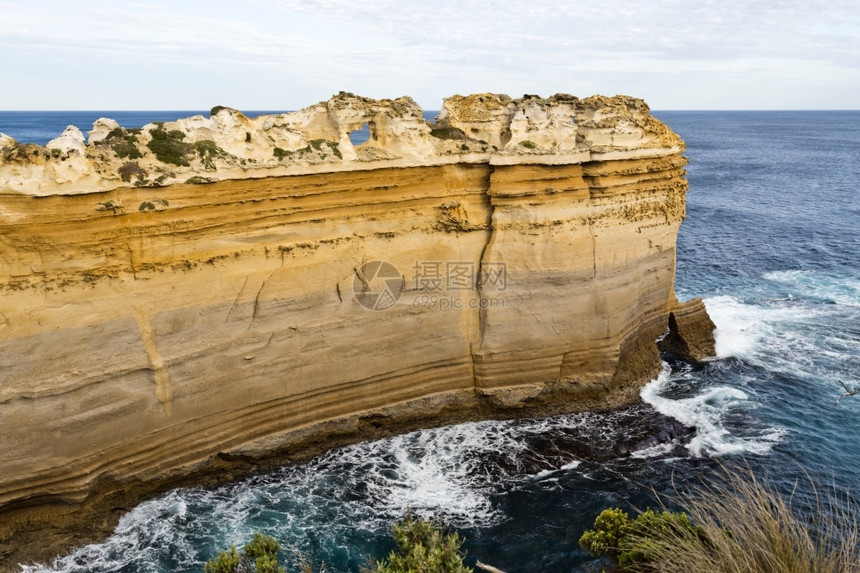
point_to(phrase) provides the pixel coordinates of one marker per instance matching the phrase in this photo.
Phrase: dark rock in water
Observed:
(664, 436)
(691, 332)
(653, 429)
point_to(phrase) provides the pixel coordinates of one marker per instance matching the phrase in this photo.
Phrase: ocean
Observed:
(772, 243)
(42, 126)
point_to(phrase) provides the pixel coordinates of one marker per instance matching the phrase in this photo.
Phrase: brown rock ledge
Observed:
(156, 332)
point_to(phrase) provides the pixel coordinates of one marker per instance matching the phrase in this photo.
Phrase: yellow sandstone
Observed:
(169, 318)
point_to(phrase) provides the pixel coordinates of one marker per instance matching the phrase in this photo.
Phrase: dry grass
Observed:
(750, 527)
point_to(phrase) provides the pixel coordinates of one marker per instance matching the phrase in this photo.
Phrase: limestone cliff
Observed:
(516, 256)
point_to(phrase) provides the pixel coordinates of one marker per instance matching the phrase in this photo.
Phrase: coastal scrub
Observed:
(735, 524)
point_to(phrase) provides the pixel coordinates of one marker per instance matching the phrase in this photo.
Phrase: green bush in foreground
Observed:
(260, 555)
(736, 525)
(423, 547)
(610, 528)
(630, 542)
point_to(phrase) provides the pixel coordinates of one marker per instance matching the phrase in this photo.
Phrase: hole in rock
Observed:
(359, 136)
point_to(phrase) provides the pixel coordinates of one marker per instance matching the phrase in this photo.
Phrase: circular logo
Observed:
(377, 285)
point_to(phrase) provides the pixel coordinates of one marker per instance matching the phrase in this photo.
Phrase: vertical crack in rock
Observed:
(236, 300)
(590, 225)
(257, 300)
(163, 386)
(482, 312)
(131, 260)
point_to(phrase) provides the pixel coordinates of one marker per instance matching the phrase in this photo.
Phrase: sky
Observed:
(289, 54)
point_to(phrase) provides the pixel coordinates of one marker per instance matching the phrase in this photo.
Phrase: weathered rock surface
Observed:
(691, 332)
(154, 331)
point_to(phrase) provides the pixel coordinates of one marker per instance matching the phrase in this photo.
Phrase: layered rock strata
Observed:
(516, 256)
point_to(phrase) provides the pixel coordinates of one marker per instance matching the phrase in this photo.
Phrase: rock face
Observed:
(691, 332)
(517, 256)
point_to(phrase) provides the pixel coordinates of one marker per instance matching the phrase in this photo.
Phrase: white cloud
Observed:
(290, 53)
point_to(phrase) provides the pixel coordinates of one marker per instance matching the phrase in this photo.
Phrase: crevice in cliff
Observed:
(257, 301)
(236, 300)
(590, 224)
(482, 312)
(131, 260)
(163, 386)
(260, 292)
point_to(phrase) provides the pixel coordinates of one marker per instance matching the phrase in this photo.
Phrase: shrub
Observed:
(646, 535)
(736, 524)
(318, 144)
(423, 546)
(199, 180)
(260, 555)
(528, 144)
(131, 169)
(124, 143)
(609, 529)
(168, 146)
(156, 204)
(225, 562)
(112, 205)
(207, 150)
(642, 540)
(752, 527)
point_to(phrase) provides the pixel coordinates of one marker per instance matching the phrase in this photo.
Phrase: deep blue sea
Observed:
(771, 241)
(43, 126)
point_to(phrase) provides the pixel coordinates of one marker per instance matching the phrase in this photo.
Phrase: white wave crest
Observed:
(818, 286)
(706, 412)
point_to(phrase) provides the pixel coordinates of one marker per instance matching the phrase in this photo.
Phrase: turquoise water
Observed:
(771, 241)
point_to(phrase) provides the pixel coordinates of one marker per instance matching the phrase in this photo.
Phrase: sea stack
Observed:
(189, 300)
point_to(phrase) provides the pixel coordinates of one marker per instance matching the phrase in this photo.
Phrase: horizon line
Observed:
(275, 110)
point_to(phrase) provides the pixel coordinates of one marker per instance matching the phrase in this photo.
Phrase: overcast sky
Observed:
(286, 54)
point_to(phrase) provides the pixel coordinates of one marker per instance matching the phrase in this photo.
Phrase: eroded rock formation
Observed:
(691, 332)
(154, 329)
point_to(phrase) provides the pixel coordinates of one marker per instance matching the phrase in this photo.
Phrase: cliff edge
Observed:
(191, 299)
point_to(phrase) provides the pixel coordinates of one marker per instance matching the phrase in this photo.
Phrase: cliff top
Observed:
(479, 128)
